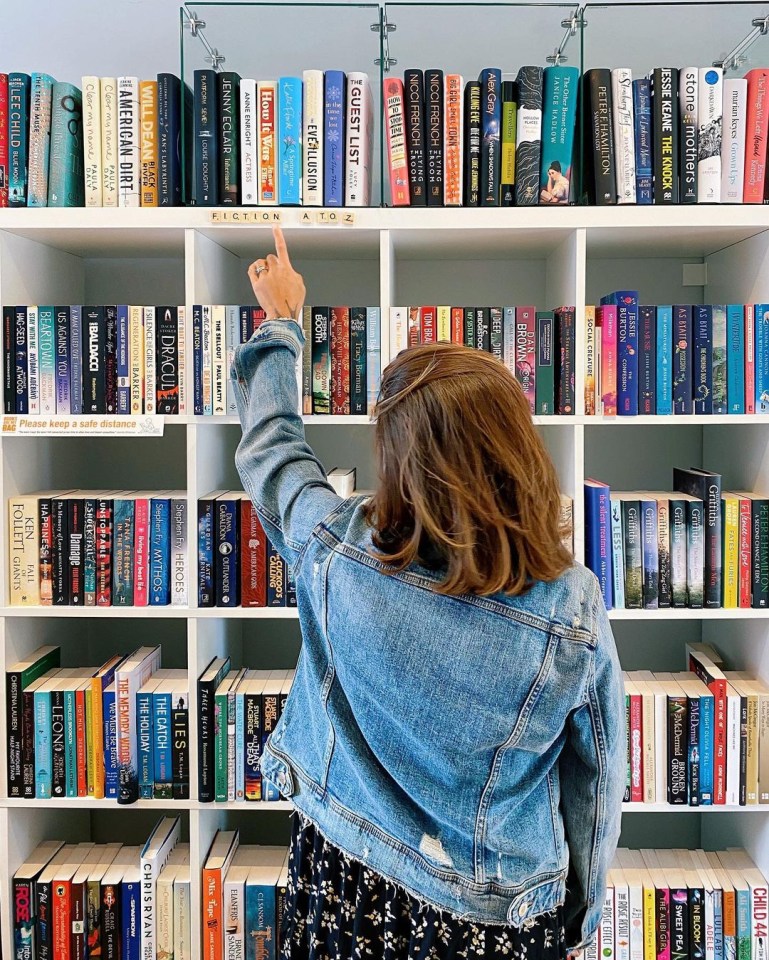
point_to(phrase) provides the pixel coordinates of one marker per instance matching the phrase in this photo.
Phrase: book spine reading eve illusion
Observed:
(312, 138)
(434, 120)
(415, 136)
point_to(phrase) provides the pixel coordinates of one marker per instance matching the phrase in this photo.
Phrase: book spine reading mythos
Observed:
(529, 136)
(434, 121)
(665, 118)
(491, 128)
(414, 95)
(472, 133)
(688, 106)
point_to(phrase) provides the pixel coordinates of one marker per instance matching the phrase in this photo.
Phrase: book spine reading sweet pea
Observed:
(491, 147)
(472, 135)
(415, 136)
(642, 118)
(434, 120)
(529, 136)
(664, 85)
(682, 359)
(335, 86)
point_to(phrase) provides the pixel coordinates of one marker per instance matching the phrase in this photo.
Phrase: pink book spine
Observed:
(663, 942)
(606, 321)
(526, 351)
(141, 552)
(750, 360)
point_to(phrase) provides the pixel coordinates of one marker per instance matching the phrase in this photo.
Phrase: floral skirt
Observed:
(339, 909)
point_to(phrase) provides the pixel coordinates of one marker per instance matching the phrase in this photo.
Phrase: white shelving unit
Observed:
(386, 257)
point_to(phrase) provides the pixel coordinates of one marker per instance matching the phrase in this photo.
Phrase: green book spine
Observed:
(544, 380)
(15, 682)
(220, 748)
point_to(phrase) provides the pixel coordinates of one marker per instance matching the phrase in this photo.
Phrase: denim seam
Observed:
(553, 814)
(600, 788)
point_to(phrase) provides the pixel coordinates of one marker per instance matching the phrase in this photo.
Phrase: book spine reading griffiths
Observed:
(415, 136)
(434, 136)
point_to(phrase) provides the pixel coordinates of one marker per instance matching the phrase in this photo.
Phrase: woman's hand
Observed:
(276, 285)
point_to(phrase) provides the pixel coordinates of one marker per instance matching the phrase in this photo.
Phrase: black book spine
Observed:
(321, 360)
(21, 373)
(434, 136)
(58, 765)
(358, 396)
(59, 552)
(206, 559)
(415, 136)
(679, 924)
(180, 736)
(9, 359)
(600, 157)
(706, 487)
(528, 150)
(694, 784)
(664, 88)
(206, 693)
(245, 324)
(647, 373)
(696, 923)
(760, 565)
(167, 360)
(491, 134)
(44, 921)
(206, 139)
(472, 185)
(496, 333)
(482, 329)
(110, 921)
(276, 578)
(169, 137)
(28, 746)
(23, 906)
(228, 87)
(677, 749)
(110, 359)
(75, 533)
(469, 327)
(688, 97)
(564, 354)
(94, 349)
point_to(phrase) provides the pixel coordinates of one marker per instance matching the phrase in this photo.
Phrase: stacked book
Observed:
(697, 738)
(108, 900)
(675, 359)
(695, 546)
(237, 710)
(73, 360)
(81, 548)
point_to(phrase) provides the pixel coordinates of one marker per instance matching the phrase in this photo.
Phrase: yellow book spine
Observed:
(95, 717)
(590, 367)
(731, 559)
(148, 142)
(136, 358)
(650, 944)
(90, 745)
(444, 324)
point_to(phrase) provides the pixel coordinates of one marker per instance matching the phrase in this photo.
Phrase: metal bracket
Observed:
(572, 25)
(737, 57)
(196, 27)
(384, 28)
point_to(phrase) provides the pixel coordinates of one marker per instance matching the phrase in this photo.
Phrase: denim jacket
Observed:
(471, 749)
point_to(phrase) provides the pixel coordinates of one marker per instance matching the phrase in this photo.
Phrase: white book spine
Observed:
(398, 331)
(128, 141)
(179, 536)
(232, 340)
(33, 361)
(149, 360)
(606, 926)
(661, 751)
(249, 143)
(92, 170)
(182, 919)
(165, 923)
(636, 901)
(709, 136)
(312, 137)
(218, 385)
(624, 134)
(109, 142)
(733, 144)
(758, 926)
(182, 357)
(150, 868)
(650, 783)
(234, 893)
(127, 683)
(732, 749)
(136, 358)
(622, 921)
(206, 337)
(359, 141)
(710, 925)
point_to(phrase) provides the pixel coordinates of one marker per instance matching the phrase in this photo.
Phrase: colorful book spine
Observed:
(75, 359)
(606, 321)
(544, 375)
(626, 302)
(129, 149)
(373, 356)
(206, 570)
(109, 141)
(249, 153)
(162, 759)
(472, 137)
(756, 135)
(624, 147)
(144, 740)
(565, 347)
(171, 94)
(397, 154)
(525, 352)
(123, 551)
(415, 136)
(665, 137)
(617, 553)
(358, 360)
(709, 120)
(3, 140)
(321, 360)
(761, 374)
(598, 537)
(312, 138)
(359, 140)
(290, 141)
(702, 359)
(453, 157)
(735, 362)
(733, 142)
(148, 143)
(21, 377)
(664, 339)
(63, 397)
(268, 174)
(650, 547)
(228, 94)
(719, 360)
(227, 547)
(682, 360)
(18, 138)
(160, 552)
(508, 138)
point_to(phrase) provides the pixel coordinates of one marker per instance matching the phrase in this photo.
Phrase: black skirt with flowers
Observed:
(339, 909)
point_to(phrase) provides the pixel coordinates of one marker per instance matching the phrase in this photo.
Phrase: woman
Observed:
(454, 739)
(556, 190)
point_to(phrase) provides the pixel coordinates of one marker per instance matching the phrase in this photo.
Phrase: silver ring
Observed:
(259, 271)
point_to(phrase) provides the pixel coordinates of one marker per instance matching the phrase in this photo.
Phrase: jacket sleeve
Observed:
(280, 473)
(592, 773)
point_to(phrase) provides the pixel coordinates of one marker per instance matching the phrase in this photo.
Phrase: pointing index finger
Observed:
(280, 245)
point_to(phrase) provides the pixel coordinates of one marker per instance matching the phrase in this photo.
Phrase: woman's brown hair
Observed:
(465, 481)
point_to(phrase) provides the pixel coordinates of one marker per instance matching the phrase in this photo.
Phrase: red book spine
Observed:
(756, 135)
(253, 565)
(606, 321)
(103, 553)
(61, 920)
(396, 142)
(745, 554)
(458, 325)
(3, 139)
(750, 360)
(636, 749)
(258, 317)
(340, 360)
(80, 743)
(526, 351)
(427, 324)
(453, 141)
(46, 551)
(415, 329)
(141, 551)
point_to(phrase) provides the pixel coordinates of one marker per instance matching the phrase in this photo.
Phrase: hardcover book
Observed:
(395, 120)
(688, 98)
(359, 140)
(65, 170)
(334, 138)
(148, 143)
(434, 122)
(756, 135)
(472, 144)
(18, 138)
(709, 135)
(290, 141)
(128, 148)
(733, 141)
(228, 90)
(599, 153)
(622, 119)
(528, 149)
(41, 88)
(642, 122)
(491, 146)
(509, 135)
(206, 134)
(664, 88)
(453, 156)
(312, 138)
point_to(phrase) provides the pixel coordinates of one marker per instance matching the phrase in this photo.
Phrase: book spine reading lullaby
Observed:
(491, 123)
(434, 121)
(415, 136)
(529, 136)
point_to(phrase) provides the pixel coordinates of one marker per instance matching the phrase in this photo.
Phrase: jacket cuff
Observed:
(283, 329)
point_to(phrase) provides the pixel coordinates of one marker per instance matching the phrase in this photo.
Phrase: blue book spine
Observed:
(761, 314)
(707, 726)
(160, 552)
(491, 136)
(617, 554)
(719, 361)
(123, 553)
(743, 922)
(335, 83)
(22, 372)
(62, 361)
(122, 347)
(169, 140)
(682, 359)
(162, 753)
(664, 360)
(650, 546)
(43, 755)
(598, 538)
(197, 360)
(374, 358)
(19, 85)
(626, 302)
(290, 141)
(240, 758)
(144, 741)
(46, 338)
(110, 743)
(206, 573)
(76, 360)
(70, 744)
(260, 921)
(642, 117)
(702, 359)
(130, 922)
(647, 360)
(559, 118)
(693, 751)
(735, 358)
(227, 534)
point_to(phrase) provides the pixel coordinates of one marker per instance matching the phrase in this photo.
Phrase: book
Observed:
(4, 140)
(217, 863)
(491, 123)
(148, 143)
(228, 94)
(735, 352)
(702, 359)
(688, 99)
(206, 134)
(128, 142)
(18, 677)
(626, 302)
(528, 151)
(709, 135)
(606, 322)
(109, 141)
(154, 856)
(756, 134)
(718, 359)
(647, 360)
(453, 157)
(41, 89)
(434, 127)
(290, 141)
(174, 112)
(643, 139)
(321, 360)
(472, 145)
(396, 142)
(735, 95)
(19, 85)
(624, 133)
(544, 375)
(683, 399)
(208, 683)
(335, 121)
(130, 675)
(359, 140)
(598, 536)
(508, 137)
(598, 136)
(664, 87)
(312, 138)
(664, 343)
(525, 352)
(707, 487)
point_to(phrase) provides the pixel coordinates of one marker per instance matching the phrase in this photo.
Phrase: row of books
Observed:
(695, 546)
(699, 737)
(688, 904)
(98, 548)
(538, 346)
(81, 360)
(686, 135)
(115, 142)
(484, 143)
(675, 359)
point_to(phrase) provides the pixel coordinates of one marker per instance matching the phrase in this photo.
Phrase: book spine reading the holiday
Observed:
(528, 150)
(598, 137)
(434, 126)
(664, 89)
(414, 105)
(398, 160)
